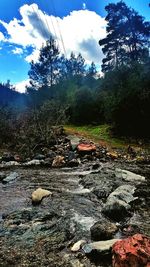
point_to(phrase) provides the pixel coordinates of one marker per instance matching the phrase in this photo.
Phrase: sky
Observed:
(76, 25)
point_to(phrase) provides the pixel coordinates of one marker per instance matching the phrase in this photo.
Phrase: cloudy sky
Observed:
(77, 26)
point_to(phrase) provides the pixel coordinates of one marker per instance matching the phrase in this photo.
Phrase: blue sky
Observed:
(26, 24)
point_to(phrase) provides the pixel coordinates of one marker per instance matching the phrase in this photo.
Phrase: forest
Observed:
(68, 91)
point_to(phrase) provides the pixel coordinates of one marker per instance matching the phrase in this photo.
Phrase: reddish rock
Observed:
(133, 251)
(86, 147)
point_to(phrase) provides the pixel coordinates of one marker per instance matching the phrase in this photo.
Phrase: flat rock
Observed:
(86, 147)
(129, 176)
(39, 194)
(9, 164)
(12, 176)
(39, 157)
(34, 162)
(100, 246)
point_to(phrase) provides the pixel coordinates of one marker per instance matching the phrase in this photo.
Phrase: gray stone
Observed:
(34, 162)
(74, 141)
(39, 156)
(2, 176)
(100, 246)
(129, 176)
(12, 176)
(118, 202)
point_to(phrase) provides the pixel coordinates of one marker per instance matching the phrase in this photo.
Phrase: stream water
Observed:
(42, 235)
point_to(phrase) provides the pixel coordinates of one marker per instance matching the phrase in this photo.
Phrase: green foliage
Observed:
(127, 37)
(46, 71)
(98, 133)
(121, 97)
(126, 98)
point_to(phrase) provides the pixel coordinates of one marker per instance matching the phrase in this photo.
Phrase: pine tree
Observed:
(46, 71)
(127, 37)
(75, 65)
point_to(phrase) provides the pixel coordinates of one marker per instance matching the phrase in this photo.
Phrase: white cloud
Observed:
(34, 56)
(81, 30)
(2, 36)
(17, 50)
(21, 86)
(84, 6)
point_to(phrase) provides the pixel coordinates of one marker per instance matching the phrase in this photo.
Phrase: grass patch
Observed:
(101, 133)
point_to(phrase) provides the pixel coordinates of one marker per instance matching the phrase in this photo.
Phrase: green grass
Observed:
(100, 133)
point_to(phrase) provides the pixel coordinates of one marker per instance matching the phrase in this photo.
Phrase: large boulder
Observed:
(39, 194)
(133, 251)
(118, 202)
(103, 230)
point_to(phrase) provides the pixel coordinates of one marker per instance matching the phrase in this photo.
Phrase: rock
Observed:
(39, 157)
(100, 246)
(103, 230)
(129, 176)
(2, 176)
(51, 154)
(76, 247)
(86, 147)
(39, 194)
(133, 251)
(7, 157)
(34, 162)
(48, 162)
(112, 155)
(118, 202)
(17, 157)
(101, 192)
(58, 161)
(131, 151)
(74, 141)
(75, 263)
(12, 176)
(95, 166)
(71, 155)
(9, 164)
(73, 163)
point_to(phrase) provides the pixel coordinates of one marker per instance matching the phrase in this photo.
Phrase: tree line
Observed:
(67, 86)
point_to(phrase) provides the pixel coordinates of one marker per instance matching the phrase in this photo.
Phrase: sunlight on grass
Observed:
(96, 133)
